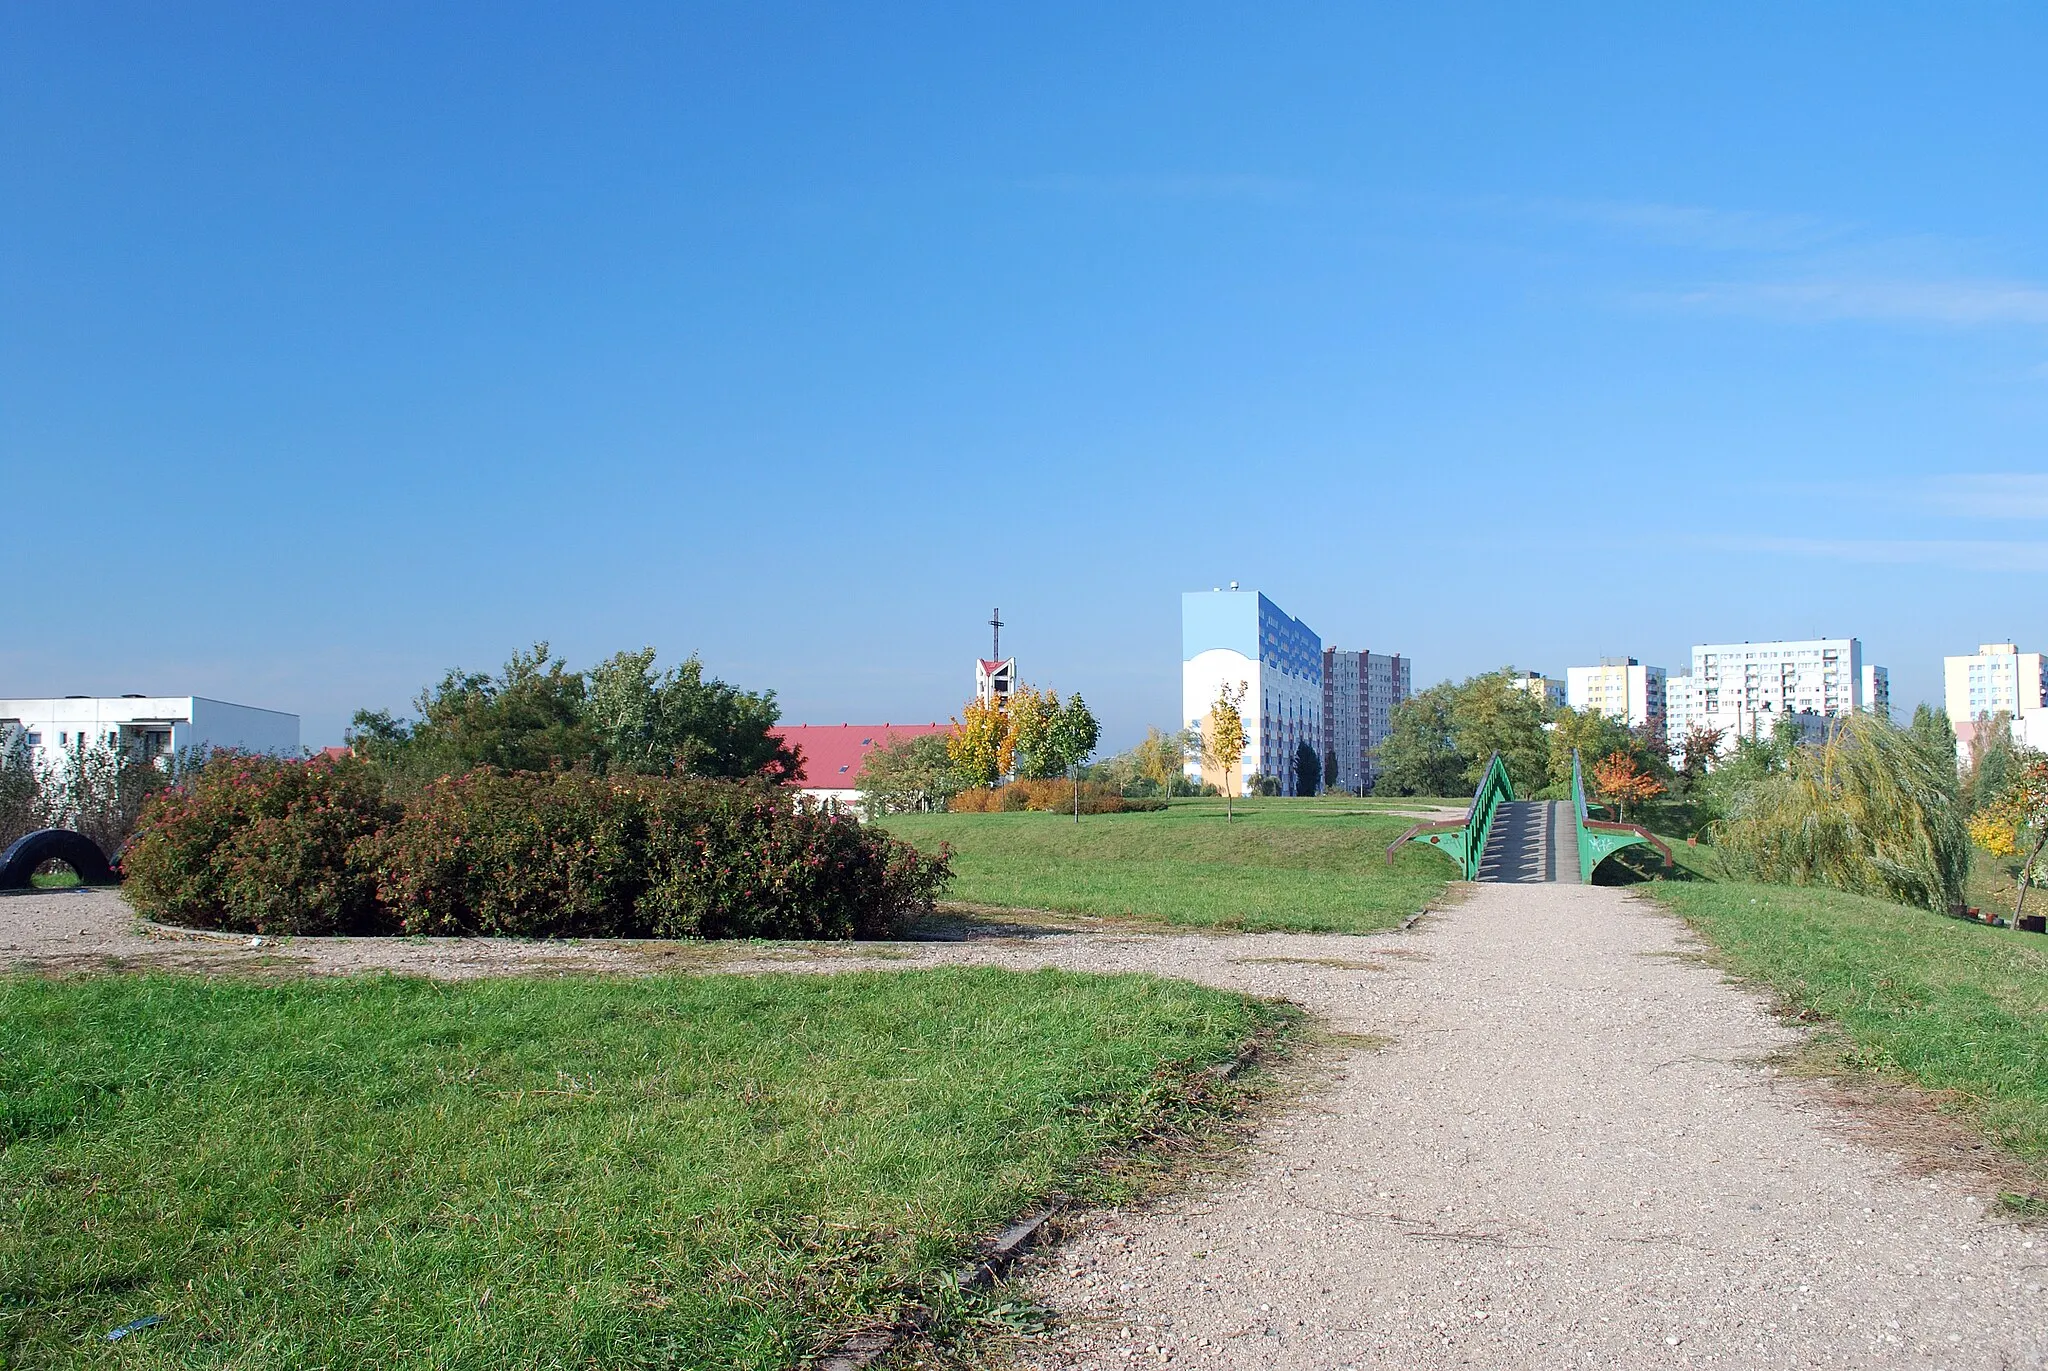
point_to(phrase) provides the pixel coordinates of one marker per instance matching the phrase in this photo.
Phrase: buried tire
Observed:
(75, 850)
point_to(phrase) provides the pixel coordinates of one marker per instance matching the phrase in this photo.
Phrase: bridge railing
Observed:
(1465, 842)
(1600, 839)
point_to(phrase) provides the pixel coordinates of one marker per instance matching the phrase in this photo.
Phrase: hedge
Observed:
(263, 845)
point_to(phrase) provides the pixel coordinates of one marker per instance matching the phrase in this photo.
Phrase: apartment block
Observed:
(1232, 636)
(1621, 688)
(1360, 691)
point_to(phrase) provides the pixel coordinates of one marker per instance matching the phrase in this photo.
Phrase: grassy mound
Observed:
(1300, 865)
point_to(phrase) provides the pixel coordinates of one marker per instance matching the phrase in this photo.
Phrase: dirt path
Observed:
(1572, 1153)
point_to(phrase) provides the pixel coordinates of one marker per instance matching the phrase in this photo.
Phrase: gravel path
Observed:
(1572, 1153)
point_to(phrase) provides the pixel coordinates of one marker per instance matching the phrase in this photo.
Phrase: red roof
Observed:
(834, 753)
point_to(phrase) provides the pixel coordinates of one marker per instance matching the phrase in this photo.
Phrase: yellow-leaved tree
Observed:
(1223, 740)
(979, 745)
(2015, 821)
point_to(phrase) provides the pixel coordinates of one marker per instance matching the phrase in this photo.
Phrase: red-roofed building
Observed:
(834, 753)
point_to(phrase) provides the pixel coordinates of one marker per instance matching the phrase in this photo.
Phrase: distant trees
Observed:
(1442, 738)
(1621, 780)
(1034, 737)
(979, 745)
(622, 716)
(909, 776)
(1071, 740)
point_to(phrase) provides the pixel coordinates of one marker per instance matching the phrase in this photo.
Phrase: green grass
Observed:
(1303, 865)
(54, 880)
(692, 1170)
(1956, 1008)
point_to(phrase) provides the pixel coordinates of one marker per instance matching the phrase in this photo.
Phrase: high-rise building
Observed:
(1238, 636)
(1621, 688)
(2000, 679)
(1360, 691)
(1548, 690)
(1744, 688)
(1877, 691)
(1678, 708)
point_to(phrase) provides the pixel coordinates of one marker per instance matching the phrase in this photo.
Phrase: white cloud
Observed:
(2009, 495)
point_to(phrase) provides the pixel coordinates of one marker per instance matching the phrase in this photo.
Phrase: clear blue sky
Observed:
(341, 344)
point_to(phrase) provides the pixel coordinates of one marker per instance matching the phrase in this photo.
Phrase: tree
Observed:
(1620, 779)
(529, 717)
(2016, 820)
(908, 775)
(1071, 739)
(1308, 770)
(979, 744)
(681, 723)
(1933, 731)
(1223, 740)
(1993, 759)
(1163, 757)
(1698, 751)
(1420, 755)
(1591, 734)
(1867, 811)
(1033, 714)
(1489, 715)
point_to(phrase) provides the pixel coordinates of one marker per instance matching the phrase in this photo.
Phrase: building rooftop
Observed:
(835, 753)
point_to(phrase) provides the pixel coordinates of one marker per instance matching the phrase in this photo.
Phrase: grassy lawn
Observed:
(1306, 865)
(1956, 1008)
(683, 1171)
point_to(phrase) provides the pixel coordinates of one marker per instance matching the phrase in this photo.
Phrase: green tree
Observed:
(1033, 714)
(1489, 715)
(1592, 734)
(1071, 739)
(1936, 736)
(1421, 755)
(908, 776)
(1994, 757)
(680, 722)
(529, 717)
(1308, 770)
(1330, 769)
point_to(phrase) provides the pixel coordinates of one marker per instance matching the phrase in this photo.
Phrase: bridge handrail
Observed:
(1469, 844)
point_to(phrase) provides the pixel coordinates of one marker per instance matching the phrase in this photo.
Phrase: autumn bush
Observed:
(262, 845)
(1050, 796)
(271, 846)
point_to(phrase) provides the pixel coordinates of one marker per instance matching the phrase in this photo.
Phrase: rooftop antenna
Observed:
(995, 646)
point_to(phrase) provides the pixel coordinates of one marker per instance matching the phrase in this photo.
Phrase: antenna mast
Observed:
(995, 623)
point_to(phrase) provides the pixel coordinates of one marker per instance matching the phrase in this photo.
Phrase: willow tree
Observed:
(1870, 811)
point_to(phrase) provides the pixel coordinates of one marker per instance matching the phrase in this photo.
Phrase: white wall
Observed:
(64, 725)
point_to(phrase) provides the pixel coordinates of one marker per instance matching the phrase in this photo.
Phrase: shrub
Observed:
(531, 854)
(263, 845)
(575, 855)
(749, 862)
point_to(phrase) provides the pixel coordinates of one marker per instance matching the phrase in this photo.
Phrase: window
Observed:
(35, 740)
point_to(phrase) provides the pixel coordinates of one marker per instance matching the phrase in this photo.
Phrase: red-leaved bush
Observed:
(526, 854)
(263, 845)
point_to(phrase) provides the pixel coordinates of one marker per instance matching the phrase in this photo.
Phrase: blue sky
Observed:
(342, 344)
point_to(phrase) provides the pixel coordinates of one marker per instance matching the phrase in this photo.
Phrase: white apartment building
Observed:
(148, 726)
(1744, 688)
(1231, 636)
(1360, 690)
(1621, 688)
(1999, 679)
(1547, 690)
(1678, 708)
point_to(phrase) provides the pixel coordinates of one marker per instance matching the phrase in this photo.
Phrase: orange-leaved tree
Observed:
(2016, 820)
(1620, 780)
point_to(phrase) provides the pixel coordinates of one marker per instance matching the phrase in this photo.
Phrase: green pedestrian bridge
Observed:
(1502, 839)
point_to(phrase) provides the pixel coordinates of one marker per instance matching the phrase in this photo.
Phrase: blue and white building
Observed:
(1232, 636)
